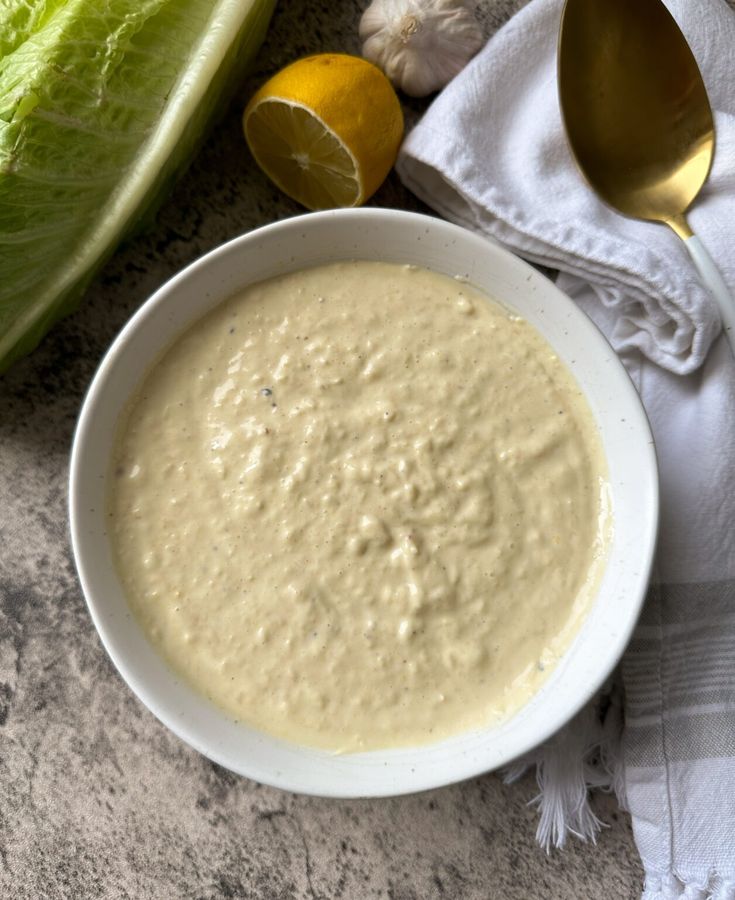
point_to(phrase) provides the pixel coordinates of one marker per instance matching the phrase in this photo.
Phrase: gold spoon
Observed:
(638, 118)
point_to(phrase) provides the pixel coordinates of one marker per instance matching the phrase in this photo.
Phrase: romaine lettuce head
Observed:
(102, 102)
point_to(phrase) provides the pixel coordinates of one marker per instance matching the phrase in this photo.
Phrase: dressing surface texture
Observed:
(360, 506)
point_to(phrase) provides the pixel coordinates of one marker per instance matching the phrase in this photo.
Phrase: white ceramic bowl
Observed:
(371, 234)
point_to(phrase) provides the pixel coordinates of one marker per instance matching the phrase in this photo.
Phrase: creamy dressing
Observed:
(360, 506)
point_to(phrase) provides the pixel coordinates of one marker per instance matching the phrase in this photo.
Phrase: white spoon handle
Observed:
(715, 282)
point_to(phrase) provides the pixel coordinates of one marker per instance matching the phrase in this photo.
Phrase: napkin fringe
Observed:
(584, 755)
(673, 887)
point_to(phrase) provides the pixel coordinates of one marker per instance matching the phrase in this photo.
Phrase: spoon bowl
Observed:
(641, 129)
(638, 117)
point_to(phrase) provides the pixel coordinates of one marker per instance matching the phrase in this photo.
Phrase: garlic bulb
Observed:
(420, 44)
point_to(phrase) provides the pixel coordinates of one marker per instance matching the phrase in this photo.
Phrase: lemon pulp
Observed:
(302, 155)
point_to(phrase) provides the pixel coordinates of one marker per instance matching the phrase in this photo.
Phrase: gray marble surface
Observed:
(97, 799)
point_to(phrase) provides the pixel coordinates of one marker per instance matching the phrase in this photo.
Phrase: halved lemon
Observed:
(325, 129)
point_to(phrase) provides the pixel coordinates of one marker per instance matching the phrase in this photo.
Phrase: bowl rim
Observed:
(286, 780)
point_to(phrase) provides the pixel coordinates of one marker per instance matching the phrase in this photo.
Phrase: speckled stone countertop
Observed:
(97, 799)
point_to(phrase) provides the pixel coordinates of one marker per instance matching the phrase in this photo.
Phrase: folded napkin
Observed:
(491, 154)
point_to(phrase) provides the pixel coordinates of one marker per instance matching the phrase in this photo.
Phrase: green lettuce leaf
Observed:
(102, 103)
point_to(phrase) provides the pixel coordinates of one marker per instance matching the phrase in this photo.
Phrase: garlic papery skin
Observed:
(420, 44)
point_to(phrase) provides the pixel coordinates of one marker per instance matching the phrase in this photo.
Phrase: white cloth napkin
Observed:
(491, 154)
